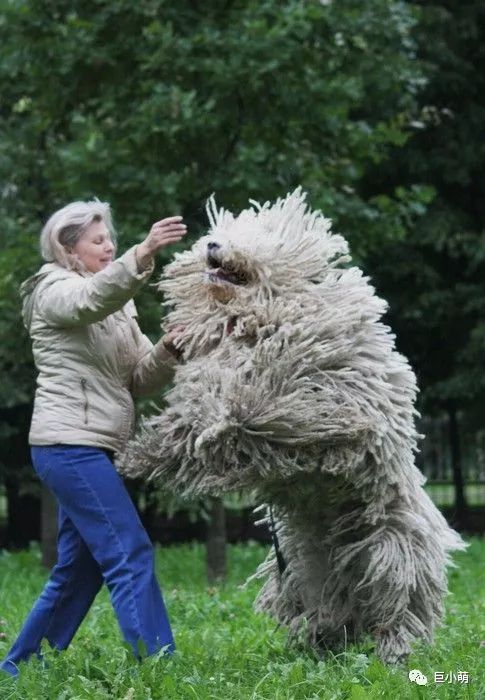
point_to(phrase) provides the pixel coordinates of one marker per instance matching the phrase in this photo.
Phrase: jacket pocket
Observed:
(84, 385)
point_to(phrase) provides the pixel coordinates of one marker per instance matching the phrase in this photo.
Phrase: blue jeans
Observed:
(100, 539)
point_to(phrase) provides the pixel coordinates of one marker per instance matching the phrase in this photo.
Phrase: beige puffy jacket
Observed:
(89, 351)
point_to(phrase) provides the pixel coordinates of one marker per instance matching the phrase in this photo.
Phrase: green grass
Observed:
(227, 651)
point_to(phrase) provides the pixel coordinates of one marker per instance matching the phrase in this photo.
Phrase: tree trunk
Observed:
(216, 542)
(461, 507)
(23, 514)
(49, 528)
(23, 506)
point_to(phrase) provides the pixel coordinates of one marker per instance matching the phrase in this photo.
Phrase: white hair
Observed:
(66, 226)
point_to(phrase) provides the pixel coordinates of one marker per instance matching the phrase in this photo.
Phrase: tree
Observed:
(434, 278)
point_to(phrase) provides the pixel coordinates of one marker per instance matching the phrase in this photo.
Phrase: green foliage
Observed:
(434, 278)
(16, 261)
(155, 105)
(226, 650)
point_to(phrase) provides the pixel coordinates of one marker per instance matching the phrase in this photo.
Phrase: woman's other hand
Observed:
(170, 340)
(162, 233)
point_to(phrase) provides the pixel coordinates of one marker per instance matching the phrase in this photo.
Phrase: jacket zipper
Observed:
(86, 402)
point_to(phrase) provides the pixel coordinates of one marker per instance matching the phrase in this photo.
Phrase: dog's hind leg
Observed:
(400, 582)
(295, 596)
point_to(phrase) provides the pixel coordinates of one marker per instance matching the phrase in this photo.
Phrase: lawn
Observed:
(228, 652)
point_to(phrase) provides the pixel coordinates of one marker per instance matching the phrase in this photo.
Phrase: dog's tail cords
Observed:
(279, 556)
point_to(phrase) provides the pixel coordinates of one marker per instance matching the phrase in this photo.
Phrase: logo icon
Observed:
(415, 676)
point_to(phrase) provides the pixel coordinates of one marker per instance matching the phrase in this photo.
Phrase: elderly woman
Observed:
(92, 359)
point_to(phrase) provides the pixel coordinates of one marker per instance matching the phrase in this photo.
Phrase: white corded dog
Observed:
(292, 386)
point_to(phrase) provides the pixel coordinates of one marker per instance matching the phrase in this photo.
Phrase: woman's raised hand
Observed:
(162, 233)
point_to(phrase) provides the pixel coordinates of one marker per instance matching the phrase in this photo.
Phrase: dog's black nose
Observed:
(212, 245)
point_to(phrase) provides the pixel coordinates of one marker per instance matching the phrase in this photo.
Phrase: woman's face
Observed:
(95, 249)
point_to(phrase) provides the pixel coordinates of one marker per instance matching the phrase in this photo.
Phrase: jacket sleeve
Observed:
(155, 367)
(73, 300)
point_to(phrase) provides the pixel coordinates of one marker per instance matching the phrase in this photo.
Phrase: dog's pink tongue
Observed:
(231, 324)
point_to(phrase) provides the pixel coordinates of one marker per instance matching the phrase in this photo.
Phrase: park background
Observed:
(375, 108)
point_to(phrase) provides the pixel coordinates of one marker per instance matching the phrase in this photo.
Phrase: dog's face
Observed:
(227, 268)
(247, 265)
(279, 248)
(267, 251)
